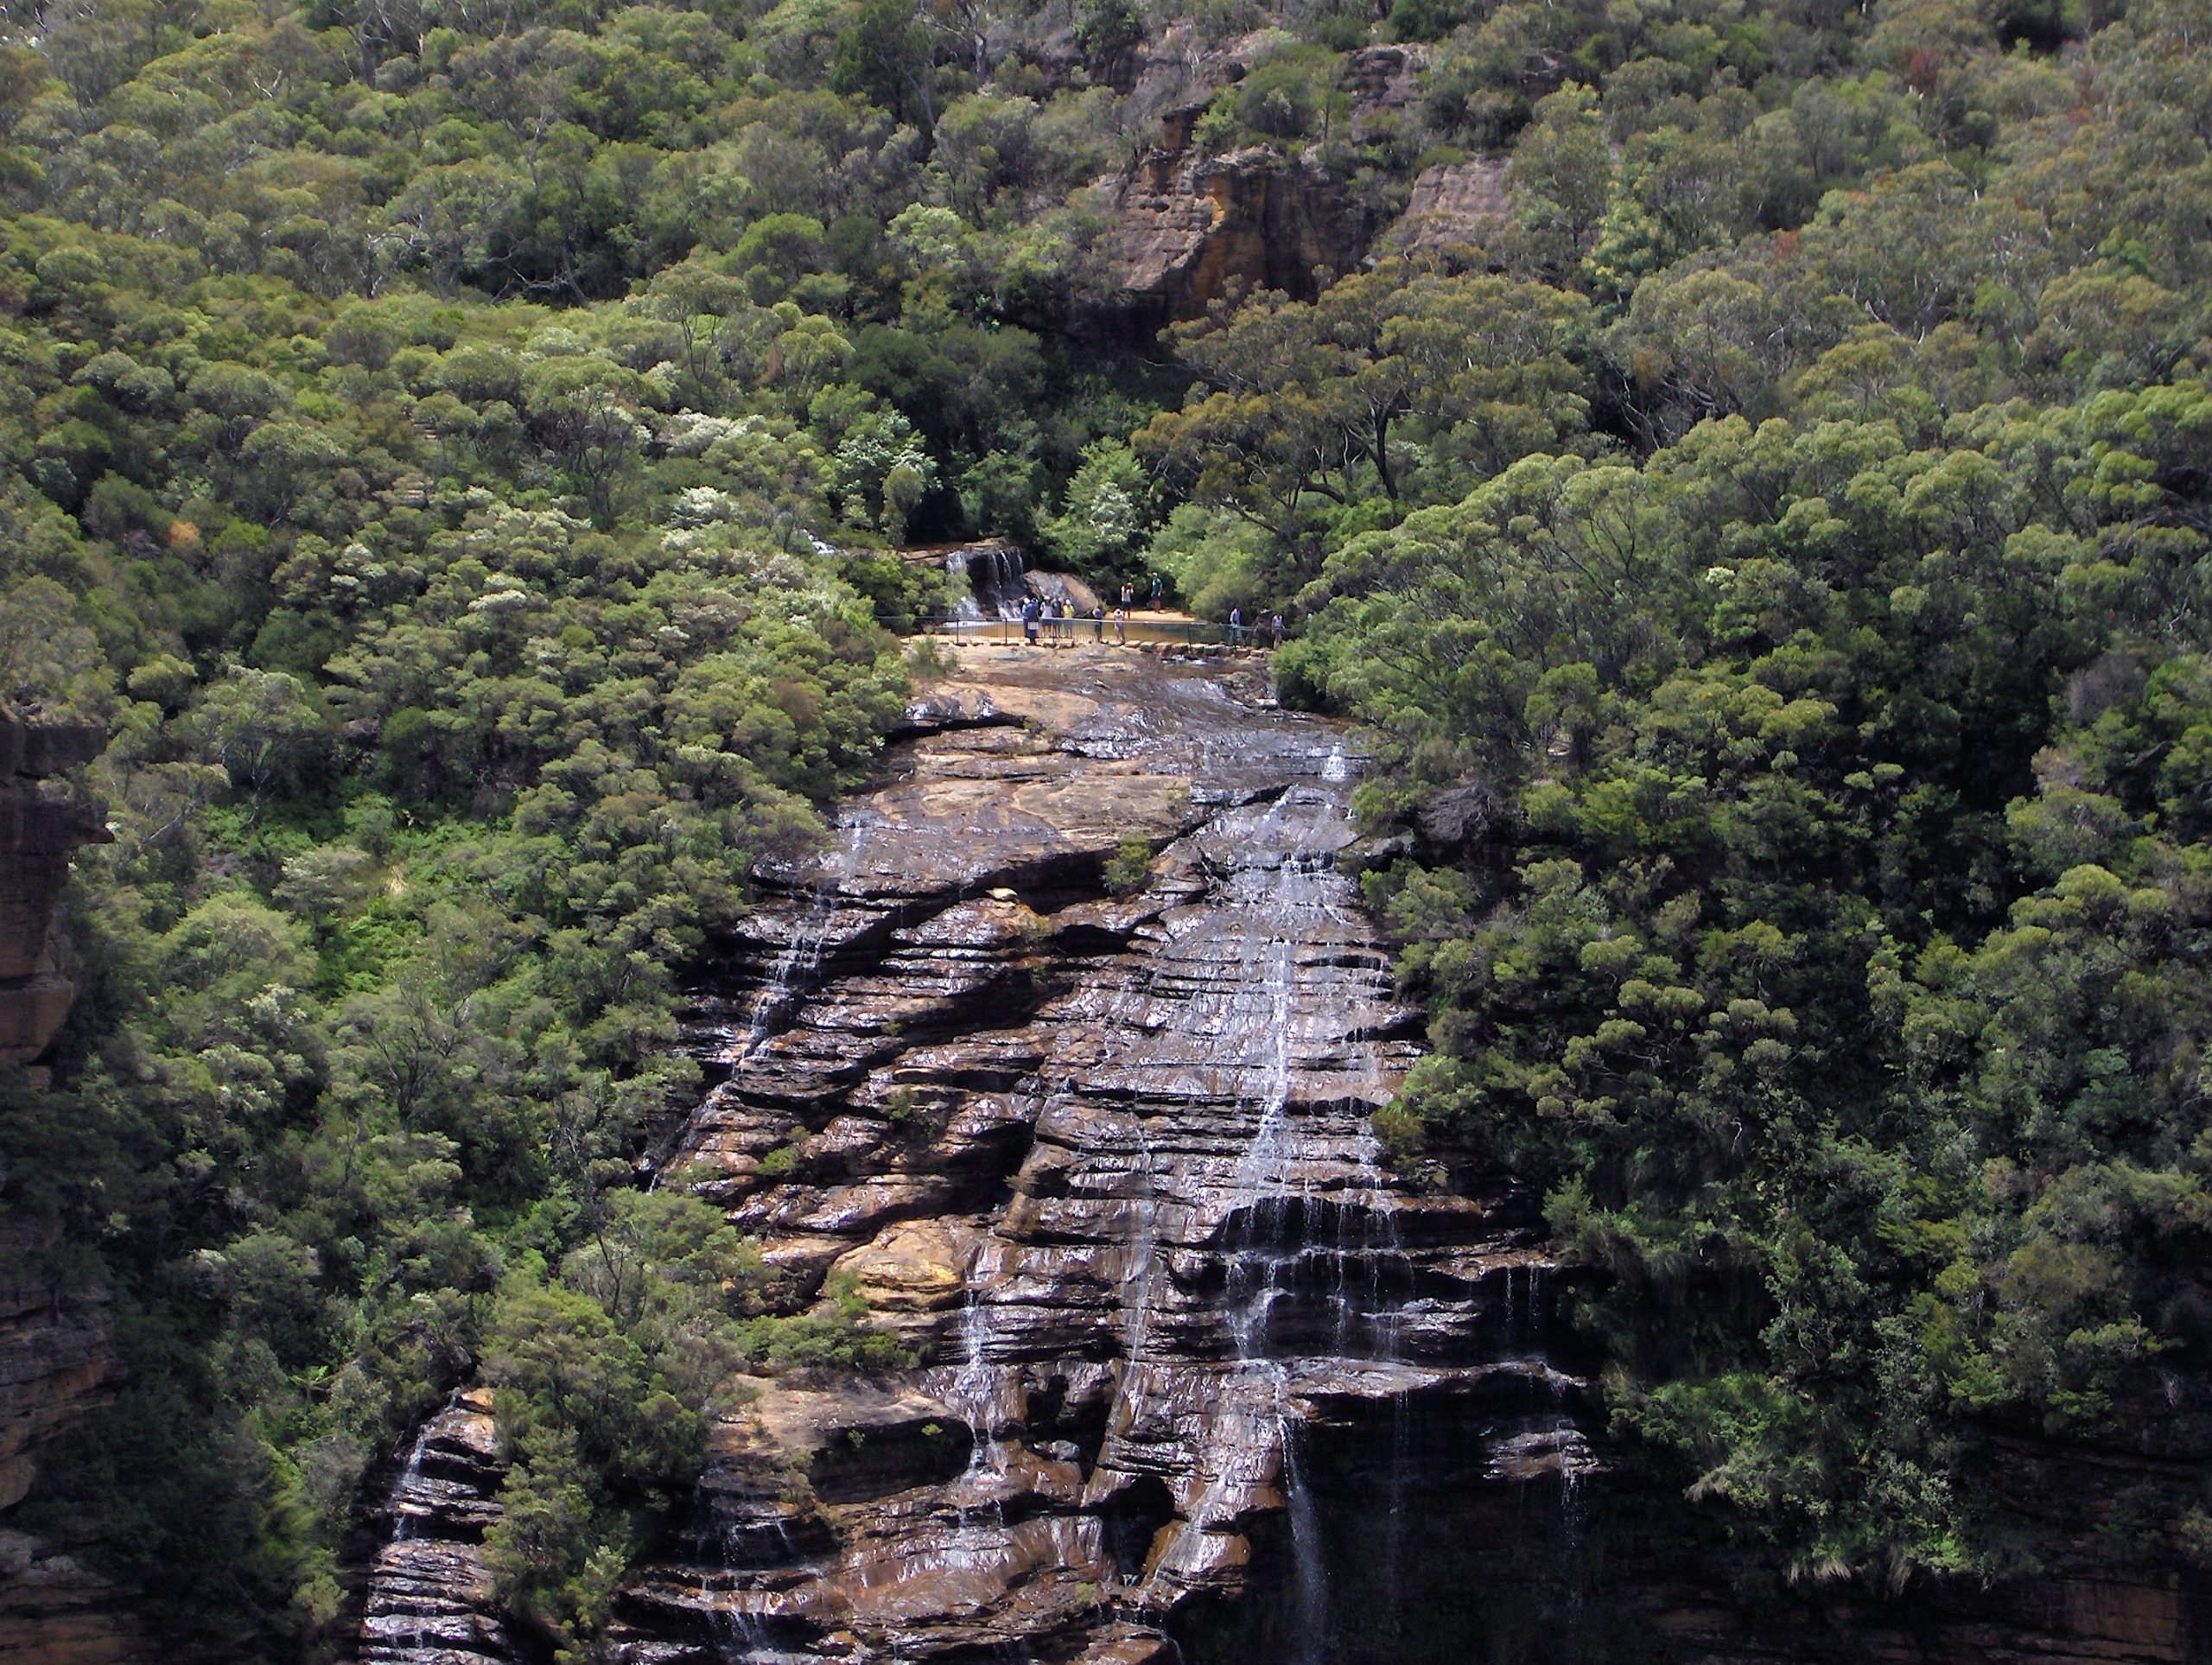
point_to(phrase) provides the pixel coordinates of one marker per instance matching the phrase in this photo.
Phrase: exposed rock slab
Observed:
(1453, 203)
(56, 1611)
(1101, 1156)
(55, 1356)
(429, 1598)
(1187, 225)
(1384, 83)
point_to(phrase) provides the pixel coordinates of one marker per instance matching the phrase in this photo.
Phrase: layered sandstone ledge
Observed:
(1061, 1055)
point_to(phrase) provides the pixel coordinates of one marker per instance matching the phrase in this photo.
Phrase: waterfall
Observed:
(964, 604)
(798, 966)
(991, 574)
(1273, 1221)
(420, 1607)
(810, 932)
(737, 1635)
(974, 1395)
(1212, 1346)
(1309, 1578)
(403, 1518)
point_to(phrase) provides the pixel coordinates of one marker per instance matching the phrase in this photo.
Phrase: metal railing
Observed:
(1064, 632)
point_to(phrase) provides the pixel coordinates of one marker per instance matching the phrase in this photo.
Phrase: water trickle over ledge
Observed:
(1199, 1366)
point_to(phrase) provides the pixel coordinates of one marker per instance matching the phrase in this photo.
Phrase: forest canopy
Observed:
(457, 451)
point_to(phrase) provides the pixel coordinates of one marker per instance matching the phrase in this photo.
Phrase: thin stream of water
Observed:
(403, 1522)
(1272, 1214)
(800, 963)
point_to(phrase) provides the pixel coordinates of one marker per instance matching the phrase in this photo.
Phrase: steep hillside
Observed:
(1743, 469)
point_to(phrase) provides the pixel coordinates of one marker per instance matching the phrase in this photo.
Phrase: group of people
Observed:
(1057, 620)
(1238, 629)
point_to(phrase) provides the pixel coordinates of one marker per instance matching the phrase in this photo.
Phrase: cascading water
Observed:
(799, 965)
(1309, 1577)
(423, 1586)
(973, 1393)
(410, 1483)
(1280, 1237)
(988, 579)
(1102, 1161)
(741, 1554)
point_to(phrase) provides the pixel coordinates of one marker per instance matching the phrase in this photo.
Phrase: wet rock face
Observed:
(1100, 1153)
(430, 1594)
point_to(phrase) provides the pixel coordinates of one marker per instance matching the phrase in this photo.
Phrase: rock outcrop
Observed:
(1062, 1055)
(987, 574)
(56, 1611)
(430, 1594)
(55, 1336)
(1453, 203)
(53, 1358)
(1187, 225)
(39, 828)
(1099, 1154)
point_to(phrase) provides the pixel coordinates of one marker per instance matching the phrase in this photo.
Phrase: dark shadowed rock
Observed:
(40, 826)
(56, 1332)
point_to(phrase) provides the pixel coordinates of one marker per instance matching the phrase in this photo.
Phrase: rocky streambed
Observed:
(1062, 1054)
